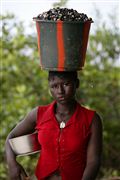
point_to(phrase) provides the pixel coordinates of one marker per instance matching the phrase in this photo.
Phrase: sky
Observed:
(25, 10)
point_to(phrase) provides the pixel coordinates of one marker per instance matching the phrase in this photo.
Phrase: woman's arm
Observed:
(26, 126)
(94, 150)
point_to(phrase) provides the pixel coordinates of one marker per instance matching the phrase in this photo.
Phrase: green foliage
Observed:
(24, 86)
(23, 83)
(111, 164)
(99, 89)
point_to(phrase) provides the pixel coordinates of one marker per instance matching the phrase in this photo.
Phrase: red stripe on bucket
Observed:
(38, 32)
(86, 29)
(60, 44)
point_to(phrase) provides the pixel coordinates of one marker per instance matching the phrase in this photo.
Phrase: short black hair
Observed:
(63, 74)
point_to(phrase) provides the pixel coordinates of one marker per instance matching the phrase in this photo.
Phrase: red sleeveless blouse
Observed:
(64, 150)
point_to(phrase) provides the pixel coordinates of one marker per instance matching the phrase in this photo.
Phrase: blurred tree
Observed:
(100, 89)
(100, 80)
(23, 85)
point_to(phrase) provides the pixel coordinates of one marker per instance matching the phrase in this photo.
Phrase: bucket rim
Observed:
(62, 69)
(59, 21)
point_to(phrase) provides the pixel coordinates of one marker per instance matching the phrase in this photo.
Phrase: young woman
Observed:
(70, 135)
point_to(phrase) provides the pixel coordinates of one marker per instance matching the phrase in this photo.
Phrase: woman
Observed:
(70, 135)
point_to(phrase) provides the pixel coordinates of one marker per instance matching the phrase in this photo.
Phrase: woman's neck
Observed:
(67, 108)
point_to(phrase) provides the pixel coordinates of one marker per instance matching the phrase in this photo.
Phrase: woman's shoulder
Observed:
(46, 106)
(86, 108)
(34, 112)
(90, 114)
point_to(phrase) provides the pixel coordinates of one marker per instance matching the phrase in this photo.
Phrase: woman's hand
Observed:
(26, 126)
(16, 172)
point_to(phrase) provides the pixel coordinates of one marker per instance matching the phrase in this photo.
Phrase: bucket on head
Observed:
(62, 44)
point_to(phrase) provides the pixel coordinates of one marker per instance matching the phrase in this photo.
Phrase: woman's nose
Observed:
(60, 89)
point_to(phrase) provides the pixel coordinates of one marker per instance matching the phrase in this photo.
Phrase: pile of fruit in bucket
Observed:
(62, 39)
(63, 14)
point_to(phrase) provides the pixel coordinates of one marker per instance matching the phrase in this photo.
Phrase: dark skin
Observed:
(63, 91)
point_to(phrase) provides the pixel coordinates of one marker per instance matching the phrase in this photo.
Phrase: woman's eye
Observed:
(54, 86)
(67, 84)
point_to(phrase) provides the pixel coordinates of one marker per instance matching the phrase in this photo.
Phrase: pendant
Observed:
(62, 124)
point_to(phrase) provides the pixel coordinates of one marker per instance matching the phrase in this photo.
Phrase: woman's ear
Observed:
(77, 83)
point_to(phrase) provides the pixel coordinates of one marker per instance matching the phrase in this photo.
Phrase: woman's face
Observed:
(62, 89)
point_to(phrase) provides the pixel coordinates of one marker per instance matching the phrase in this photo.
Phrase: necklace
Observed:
(62, 124)
(63, 116)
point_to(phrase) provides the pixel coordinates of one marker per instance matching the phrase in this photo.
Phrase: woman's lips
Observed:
(61, 98)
